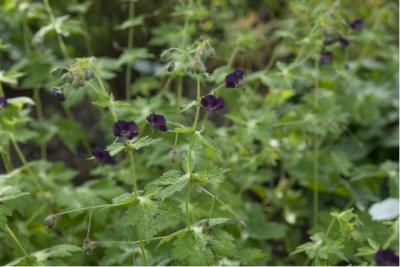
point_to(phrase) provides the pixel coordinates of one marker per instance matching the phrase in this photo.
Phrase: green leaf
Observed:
(124, 199)
(171, 182)
(209, 174)
(10, 77)
(208, 142)
(138, 143)
(149, 216)
(115, 148)
(249, 255)
(10, 192)
(321, 249)
(130, 56)
(191, 249)
(4, 213)
(222, 244)
(130, 23)
(42, 257)
(183, 130)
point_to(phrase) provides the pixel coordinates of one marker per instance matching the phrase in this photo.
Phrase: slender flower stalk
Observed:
(198, 99)
(128, 73)
(133, 171)
(53, 22)
(21, 156)
(14, 237)
(189, 188)
(316, 151)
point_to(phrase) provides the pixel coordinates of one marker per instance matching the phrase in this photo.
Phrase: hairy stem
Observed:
(133, 171)
(316, 151)
(141, 243)
(21, 156)
(89, 223)
(198, 98)
(179, 95)
(128, 74)
(39, 113)
(53, 21)
(14, 237)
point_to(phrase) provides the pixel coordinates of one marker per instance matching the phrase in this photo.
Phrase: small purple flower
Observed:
(103, 156)
(212, 103)
(326, 57)
(233, 78)
(3, 101)
(343, 42)
(386, 257)
(125, 129)
(157, 121)
(357, 24)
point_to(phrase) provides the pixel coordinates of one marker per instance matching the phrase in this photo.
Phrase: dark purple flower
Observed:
(3, 101)
(212, 103)
(103, 156)
(326, 57)
(157, 121)
(233, 78)
(386, 257)
(357, 24)
(125, 129)
(343, 42)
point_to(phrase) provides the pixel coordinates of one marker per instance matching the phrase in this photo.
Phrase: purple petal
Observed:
(3, 101)
(125, 129)
(103, 156)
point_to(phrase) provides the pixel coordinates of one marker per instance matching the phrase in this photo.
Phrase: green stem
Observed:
(86, 208)
(86, 36)
(393, 236)
(39, 113)
(14, 237)
(128, 75)
(1, 90)
(53, 22)
(189, 189)
(198, 98)
(5, 155)
(179, 95)
(316, 151)
(89, 223)
(316, 182)
(220, 201)
(133, 171)
(25, 163)
(233, 56)
(25, 35)
(146, 262)
(187, 200)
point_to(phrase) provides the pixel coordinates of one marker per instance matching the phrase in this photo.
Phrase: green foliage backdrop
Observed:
(299, 167)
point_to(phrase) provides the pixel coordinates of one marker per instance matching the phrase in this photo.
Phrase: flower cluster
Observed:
(127, 130)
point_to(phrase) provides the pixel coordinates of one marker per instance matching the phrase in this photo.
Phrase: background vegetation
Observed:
(285, 174)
